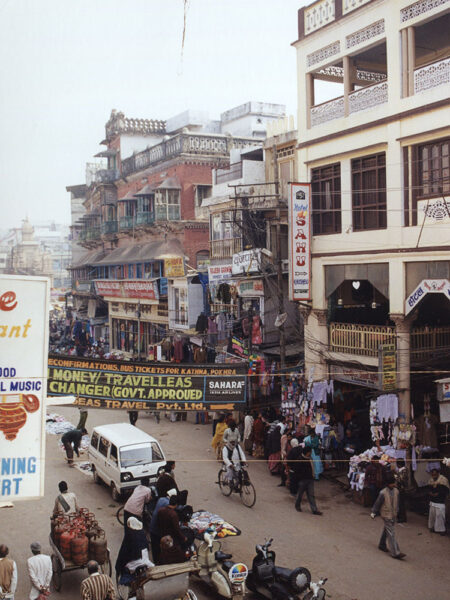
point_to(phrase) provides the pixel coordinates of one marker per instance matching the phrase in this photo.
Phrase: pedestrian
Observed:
(40, 571)
(155, 536)
(387, 505)
(133, 551)
(97, 586)
(133, 416)
(8, 574)
(167, 523)
(305, 474)
(83, 417)
(312, 440)
(248, 432)
(286, 439)
(65, 502)
(259, 429)
(135, 505)
(439, 491)
(374, 479)
(217, 443)
(71, 441)
(292, 461)
(401, 480)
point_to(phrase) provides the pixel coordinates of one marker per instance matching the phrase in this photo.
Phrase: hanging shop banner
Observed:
(355, 376)
(300, 242)
(251, 287)
(130, 288)
(141, 386)
(218, 273)
(245, 262)
(444, 400)
(388, 367)
(24, 310)
(174, 267)
(427, 286)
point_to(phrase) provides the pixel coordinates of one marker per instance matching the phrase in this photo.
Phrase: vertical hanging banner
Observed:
(24, 305)
(300, 241)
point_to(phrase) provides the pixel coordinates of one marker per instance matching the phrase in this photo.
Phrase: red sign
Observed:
(137, 288)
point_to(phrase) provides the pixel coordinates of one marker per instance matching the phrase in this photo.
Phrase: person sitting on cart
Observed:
(135, 505)
(170, 553)
(232, 453)
(133, 554)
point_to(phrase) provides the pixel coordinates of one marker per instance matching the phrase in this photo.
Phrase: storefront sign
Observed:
(24, 306)
(237, 345)
(427, 286)
(355, 376)
(300, 242)
(174, 267)
(218, 273)
(444, 400)
(252, 287)
(388, 367)
(140, 386)
(136, 288)
(245, 262)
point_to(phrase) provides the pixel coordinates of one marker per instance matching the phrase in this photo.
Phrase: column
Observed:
(316, 344)
(404, 64)
(403, 334)
(411, 59)
(349, 76)
(309, 97)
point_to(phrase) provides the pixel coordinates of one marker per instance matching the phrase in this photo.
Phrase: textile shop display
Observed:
(203, 520)
(359, 463)
(383, 415)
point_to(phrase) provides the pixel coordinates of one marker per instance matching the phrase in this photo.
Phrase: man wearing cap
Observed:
(40, 571)
(8, 574)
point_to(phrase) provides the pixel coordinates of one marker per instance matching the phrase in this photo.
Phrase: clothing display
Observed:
(426, 426)
(256, 330)
(202, 323)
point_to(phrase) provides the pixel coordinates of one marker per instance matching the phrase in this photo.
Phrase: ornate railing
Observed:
(145, 218)
(93, 233)
(368, 97)
(432, 75)
(334, 109)
(225, 248)
(109, 227)
(359, 339)
(426, 341)
(126, 222)
(106, 175)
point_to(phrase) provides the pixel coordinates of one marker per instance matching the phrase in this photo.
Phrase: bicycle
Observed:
(240, 484)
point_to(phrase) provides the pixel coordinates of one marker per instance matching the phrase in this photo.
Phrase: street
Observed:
(340, 545)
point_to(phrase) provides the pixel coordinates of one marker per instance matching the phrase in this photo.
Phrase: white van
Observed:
(121, 455)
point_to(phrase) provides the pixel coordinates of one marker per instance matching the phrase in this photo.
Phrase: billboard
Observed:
(141, 386)
(24, 306)
(300, 241)
(130, 288)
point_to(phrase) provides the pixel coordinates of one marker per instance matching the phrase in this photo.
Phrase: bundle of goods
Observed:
(203, 520)
(78, 537)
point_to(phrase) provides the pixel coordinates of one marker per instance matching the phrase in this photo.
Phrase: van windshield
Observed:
(135, 456)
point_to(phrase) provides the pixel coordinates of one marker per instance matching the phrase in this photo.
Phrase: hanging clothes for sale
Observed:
(256, 330)
(200, 355)
(178, 348)
(221, 321)
(212, 331)
(202, 323)
(224, 293)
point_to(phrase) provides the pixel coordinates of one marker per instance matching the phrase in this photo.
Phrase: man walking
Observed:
(66, 502)
(439, 490)
(305, 474)
(8, 574)
(97, 586)
(40, 572)
(387, 505)
(71, 441)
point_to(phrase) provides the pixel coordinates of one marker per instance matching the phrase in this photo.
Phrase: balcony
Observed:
(429, 342)
(432, 75)
(327, 111)
(231, 174)
(363, 340)
(106, 175)
(145, 218)
(368, 97)
(109, 227)
(93, 233)
(225, 248)
(170, 212)
(126, 222)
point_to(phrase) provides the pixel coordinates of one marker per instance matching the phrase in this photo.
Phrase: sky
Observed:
(65, 64)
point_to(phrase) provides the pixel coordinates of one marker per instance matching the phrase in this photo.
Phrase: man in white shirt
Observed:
(66, 502)
(8, 574)
(40, 571)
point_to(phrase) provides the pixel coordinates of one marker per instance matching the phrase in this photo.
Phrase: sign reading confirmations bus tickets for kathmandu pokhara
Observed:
(140, 386)
(300, 242)
(23, 369)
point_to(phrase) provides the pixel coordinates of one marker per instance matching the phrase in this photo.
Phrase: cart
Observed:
(164, 582)
(60, 565)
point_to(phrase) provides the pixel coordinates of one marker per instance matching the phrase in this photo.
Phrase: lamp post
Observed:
(138, 314)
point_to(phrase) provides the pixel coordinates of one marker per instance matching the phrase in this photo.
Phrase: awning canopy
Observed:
(147, 190)
(138, 253)
(89, 258)
(128, 196)
(106, 153)
(171, 183)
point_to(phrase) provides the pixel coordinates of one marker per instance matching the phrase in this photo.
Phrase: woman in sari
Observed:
(313, 442)
(218, 435)
(258, 436)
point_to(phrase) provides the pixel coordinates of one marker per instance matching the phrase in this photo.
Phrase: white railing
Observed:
(327, 111)
(368, 97)
(432, 75)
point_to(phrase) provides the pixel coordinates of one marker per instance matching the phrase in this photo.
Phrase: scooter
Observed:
(214, 567)
(279, 583)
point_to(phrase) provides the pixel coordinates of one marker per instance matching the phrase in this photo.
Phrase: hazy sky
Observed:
(64, 64)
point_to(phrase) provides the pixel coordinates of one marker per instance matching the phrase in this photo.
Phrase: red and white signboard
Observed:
(219, 273)
(136, 288)
(427, 286)
(24, 306)
(300, 241)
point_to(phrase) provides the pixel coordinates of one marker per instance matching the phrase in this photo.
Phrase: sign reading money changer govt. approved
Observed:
(300, 242)
(23, 370)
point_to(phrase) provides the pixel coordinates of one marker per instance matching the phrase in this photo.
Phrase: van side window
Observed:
(156, 453)
(94, 440)
(113, 453)
(103, 446)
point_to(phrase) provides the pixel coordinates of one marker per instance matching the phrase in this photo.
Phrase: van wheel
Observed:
(95, 475)
(115, 494)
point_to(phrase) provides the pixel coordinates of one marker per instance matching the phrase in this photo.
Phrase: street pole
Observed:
(279, 265)
(139, 329)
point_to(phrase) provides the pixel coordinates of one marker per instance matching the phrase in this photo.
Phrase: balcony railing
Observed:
(432, 75)
(126, 222)
(93, 233)
(231, 174)
(334, 109)
(225, 248)
(170, 212)
(368, 97)
(109, 227)
(145, 218)
(363, 340)
(106, 175)
(429, 342)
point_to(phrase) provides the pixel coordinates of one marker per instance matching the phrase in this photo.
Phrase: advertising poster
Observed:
(142, 290)
(388, 367)
(138, 386)
(24, 303)
(174, 267)
(300, 241)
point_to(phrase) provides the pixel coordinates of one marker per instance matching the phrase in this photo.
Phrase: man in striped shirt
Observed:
(97, 586)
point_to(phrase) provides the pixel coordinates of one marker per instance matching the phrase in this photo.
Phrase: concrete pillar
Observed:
(404, 43)
(411, 59)
(316, 343)
(309, 97)
(403, 333)
(349, 73)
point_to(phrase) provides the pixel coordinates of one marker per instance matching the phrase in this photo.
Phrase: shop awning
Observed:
(171, 183)
(291, 350)
(89, 258)
(139, 253)
(147, 190)
(127, 198)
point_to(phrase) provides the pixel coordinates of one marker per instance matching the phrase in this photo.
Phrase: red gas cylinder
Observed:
(64, 543)
(79, 546)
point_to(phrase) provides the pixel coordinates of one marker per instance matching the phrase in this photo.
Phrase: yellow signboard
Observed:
(174, 267)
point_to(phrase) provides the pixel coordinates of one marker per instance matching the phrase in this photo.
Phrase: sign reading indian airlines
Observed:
(300, 241)
(24, 305)
(427, 286)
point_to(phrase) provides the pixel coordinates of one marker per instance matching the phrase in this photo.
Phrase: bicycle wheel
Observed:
(248, 494)
(119, 515)
(123, 591)
(224, 485)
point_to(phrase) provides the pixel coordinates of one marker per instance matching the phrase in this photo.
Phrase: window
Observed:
(167, 205)
(369, 192)
(326, 199)
(103, 446)
(94, 440)
(113, 453)
(225, 226)
(286, 169)
(180, 306)
(202, 192)
(157, 454)
(434, 168)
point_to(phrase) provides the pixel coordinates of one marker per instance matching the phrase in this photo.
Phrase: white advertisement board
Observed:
(24, 305)
(248, 261)
(300, 241)
(219, 273)
(427, 286)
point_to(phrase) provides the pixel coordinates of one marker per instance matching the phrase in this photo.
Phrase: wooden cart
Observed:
(164, 582)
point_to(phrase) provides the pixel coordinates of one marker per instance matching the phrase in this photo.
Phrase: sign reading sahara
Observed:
(300, 242)
(138, 288)
(174, 267)
(139, 386)
(388, 367)
(427, 286)
(24, 303)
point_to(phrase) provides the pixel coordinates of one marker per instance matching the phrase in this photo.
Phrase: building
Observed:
(377, 155)
(28, 256)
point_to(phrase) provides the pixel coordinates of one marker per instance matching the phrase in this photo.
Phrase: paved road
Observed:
(341, 544)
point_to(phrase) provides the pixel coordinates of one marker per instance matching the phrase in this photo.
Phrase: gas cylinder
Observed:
(79, 546)
(64, 542)
(58, 530)
(98, 547)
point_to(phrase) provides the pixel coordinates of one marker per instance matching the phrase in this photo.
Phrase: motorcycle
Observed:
(279, 583)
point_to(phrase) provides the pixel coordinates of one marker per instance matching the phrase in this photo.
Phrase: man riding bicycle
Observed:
(232, 454)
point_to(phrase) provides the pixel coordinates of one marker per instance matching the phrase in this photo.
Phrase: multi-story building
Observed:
(377, 154)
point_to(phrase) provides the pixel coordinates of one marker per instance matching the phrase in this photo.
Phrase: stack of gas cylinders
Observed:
(78, 537)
